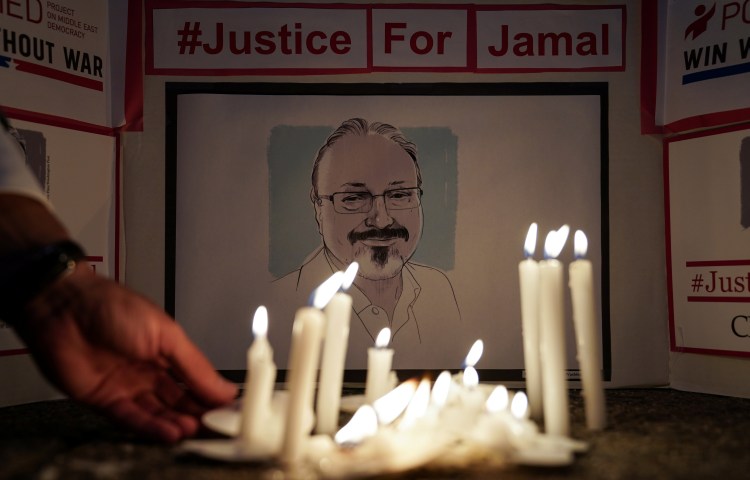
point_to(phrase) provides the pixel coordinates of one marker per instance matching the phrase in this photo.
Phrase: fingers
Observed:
(147, 416)
(205, 384)
(148, 401)
(177, 398)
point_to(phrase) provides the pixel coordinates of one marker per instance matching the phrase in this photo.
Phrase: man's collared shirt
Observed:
(426, 325)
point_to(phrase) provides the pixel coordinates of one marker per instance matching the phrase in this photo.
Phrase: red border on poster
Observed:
(133, 93)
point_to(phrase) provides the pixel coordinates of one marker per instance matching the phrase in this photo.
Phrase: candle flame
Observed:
(555, 241)
(530, 245)
(580, 244)
(363, 424)
(519, 405)
(325, 292)
(471, 377)
(260, 322)
(384, 337)
(417, 406)
(498, 399)
(349, 275)
(392, 404)
(475, 353)
(441, 388)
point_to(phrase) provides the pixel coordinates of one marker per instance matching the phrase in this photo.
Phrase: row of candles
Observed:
(543, 322)
(416, 419)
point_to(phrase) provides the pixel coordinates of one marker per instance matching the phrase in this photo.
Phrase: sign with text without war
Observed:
(55, 58)
(268, 39)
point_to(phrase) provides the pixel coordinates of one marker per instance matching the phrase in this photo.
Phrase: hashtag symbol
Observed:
(697, 282)
(189, 37)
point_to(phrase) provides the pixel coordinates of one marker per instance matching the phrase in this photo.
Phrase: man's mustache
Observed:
(378, 234)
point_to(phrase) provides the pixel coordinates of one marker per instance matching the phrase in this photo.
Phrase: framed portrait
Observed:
(431, 188)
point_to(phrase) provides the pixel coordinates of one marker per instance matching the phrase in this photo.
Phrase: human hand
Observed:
(112, 349)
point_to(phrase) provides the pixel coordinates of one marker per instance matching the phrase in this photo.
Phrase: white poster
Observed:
(706, 64)
(55, 59)
(248, 220)
(709, 215)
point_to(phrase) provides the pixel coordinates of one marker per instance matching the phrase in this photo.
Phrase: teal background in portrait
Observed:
(292, 228)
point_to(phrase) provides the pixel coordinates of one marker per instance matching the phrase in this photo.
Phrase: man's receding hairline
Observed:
(359, 127)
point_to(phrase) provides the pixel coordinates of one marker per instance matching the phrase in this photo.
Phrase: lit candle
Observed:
(259, 381)
(379, 361)
(519, 406)
(417, 407)
(307, 333)
(441, 390)
(498, 400)
(475, 353)
(552, 336)
(390, 406)
(363, 424)
(472, 398)
(584, 319)
(523, 431)
(528, 272)
(338, 314)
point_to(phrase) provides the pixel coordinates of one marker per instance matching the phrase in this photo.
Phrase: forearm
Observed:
(25, 224)
(32, 257)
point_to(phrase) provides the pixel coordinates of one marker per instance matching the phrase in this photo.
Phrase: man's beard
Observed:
(380, 256)
(385, 261)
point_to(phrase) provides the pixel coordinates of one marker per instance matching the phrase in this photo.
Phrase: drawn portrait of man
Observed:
(366, 193)
(431, 189)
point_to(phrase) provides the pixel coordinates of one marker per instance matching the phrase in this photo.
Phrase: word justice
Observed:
(721, 283)
(287, 41)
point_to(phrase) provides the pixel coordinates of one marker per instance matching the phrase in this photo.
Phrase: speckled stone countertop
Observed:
(652, 434)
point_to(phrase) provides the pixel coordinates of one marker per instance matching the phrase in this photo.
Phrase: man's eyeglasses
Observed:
(361, 202)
